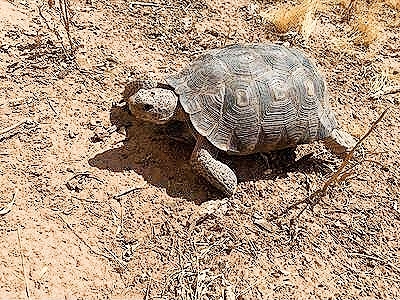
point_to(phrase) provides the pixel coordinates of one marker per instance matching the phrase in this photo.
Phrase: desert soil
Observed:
(68, 230)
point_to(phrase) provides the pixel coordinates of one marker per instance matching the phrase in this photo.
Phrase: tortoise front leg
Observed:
(204, 161)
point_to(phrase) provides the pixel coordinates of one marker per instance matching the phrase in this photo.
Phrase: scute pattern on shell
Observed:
(257, 97)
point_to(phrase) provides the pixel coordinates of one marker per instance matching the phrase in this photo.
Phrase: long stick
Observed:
(143, 3)
(5, 130)
(335, 175)
(82, 240)
(23, 264)
(386, 91)
(316, 196)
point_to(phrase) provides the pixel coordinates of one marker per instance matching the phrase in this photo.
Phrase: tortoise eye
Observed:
(148, 107)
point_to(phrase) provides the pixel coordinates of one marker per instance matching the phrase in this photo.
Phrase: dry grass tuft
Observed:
(380, 80)
(365, 19)
(60, 11)
(309, 21)
(369, 28)
(298, 17)
(345, 44)
(384, 78)
(302, 17)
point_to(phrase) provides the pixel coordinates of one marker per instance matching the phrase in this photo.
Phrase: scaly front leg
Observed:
(204, 161)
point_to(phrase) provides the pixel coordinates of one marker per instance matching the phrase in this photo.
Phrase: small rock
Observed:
(72, 134)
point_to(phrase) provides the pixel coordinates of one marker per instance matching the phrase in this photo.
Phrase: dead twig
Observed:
(75, 183)
(372, 257)
(116, 197)
(154, 4)
(51, 106)
(82, 240)
(120, 263)
(8, 129)
(348, 11)
(131, 4)
(250, 287)
(146, 297)
(7, 208)
(113, 257)
(386, 91)
(316, 196)
(334, 178)
(85, 175)
(65, 12)
(23, 264)
(57, 34)
(85, 200)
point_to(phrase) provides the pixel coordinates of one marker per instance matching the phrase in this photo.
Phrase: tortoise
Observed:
(242, 99)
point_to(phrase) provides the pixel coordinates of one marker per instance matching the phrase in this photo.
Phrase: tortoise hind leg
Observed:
(204, 162)
(340, 142)
(280, 159)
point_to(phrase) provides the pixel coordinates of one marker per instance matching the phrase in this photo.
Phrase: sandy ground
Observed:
(72, 233)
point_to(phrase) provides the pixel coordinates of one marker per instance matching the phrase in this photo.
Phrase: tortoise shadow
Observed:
(164, 162)
(150, 152)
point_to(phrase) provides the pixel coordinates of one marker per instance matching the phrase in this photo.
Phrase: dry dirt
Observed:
(71, 233)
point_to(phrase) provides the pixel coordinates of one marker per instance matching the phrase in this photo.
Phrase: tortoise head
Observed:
(156, 105)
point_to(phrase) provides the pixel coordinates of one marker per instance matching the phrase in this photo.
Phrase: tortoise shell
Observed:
(257, 97)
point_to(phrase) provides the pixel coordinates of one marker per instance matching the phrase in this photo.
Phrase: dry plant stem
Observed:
(250, 287)
(23, 264)
(8, 129)
(87, 175)
(386, 91)
(334, 177)
(52, 108)
(52, 30)
(143, 3)
(349, 11)
(316, 196)
(116, 197)
(86, 200)
(82, 240)
(377, 259)
(121, 264)
(64, 14)
(7, 208)
(147, 296)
